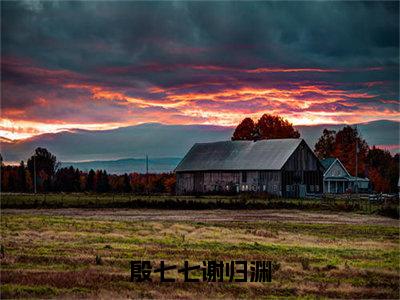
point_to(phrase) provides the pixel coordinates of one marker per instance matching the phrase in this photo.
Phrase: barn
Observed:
(281, 167)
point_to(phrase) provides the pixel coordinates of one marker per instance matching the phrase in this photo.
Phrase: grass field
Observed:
(242, 201)
(86, 252)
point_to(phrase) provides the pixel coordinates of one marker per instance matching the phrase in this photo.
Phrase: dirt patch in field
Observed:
(281, 215)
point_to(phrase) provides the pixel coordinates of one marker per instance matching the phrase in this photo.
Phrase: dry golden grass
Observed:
(55, 256)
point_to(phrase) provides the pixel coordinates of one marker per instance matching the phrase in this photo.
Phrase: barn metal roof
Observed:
(239, 155)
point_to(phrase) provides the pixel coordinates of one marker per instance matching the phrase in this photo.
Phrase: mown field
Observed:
(86, 252)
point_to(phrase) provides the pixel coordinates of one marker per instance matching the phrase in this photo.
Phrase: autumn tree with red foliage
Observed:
(267, 127)
(380, 184)
(275, 127)
(244, 131)
(152, 183)
(342, 145)
(346, 142)
(383, 169)
(170, 184)
(378, 165)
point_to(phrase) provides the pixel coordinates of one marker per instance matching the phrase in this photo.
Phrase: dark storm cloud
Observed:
(122, 62)
(83, 35)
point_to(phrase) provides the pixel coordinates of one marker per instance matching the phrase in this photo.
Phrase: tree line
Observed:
(51, 178)
(378, 165)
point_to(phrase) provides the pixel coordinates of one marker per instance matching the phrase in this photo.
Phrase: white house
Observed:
(337, 179)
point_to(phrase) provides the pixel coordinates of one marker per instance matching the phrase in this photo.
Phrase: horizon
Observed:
(74, 130)
(167, 141)
(196, 64)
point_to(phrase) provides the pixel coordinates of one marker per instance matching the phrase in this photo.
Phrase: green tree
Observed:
(77, 180)
(90, 184)
(105, 182)
(102, 183)
(127, 184)
(46, 165)
(22, 180)
(325, 145)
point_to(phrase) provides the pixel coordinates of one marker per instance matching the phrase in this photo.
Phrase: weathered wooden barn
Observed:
(282, 167)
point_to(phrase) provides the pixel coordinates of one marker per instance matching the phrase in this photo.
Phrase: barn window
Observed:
(262, 176)
(275, 187)
(264, 187)
(287, 188)
(244, 176)
(317, 188)
(311, 188)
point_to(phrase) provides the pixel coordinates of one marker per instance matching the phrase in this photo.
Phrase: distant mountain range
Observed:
(128, 165)
(164, 144)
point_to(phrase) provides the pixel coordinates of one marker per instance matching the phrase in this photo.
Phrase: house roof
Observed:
(239, 155)
(327, 162)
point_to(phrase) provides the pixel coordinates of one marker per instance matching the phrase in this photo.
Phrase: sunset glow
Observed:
(200, 73)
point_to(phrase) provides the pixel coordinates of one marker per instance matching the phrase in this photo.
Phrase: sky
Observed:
(102, 65)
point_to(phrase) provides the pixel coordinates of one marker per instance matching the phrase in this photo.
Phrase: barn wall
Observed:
(302, 173)
(270, 182)
(221, 181)
(205, 182)
(232, 182)
(184, 183)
